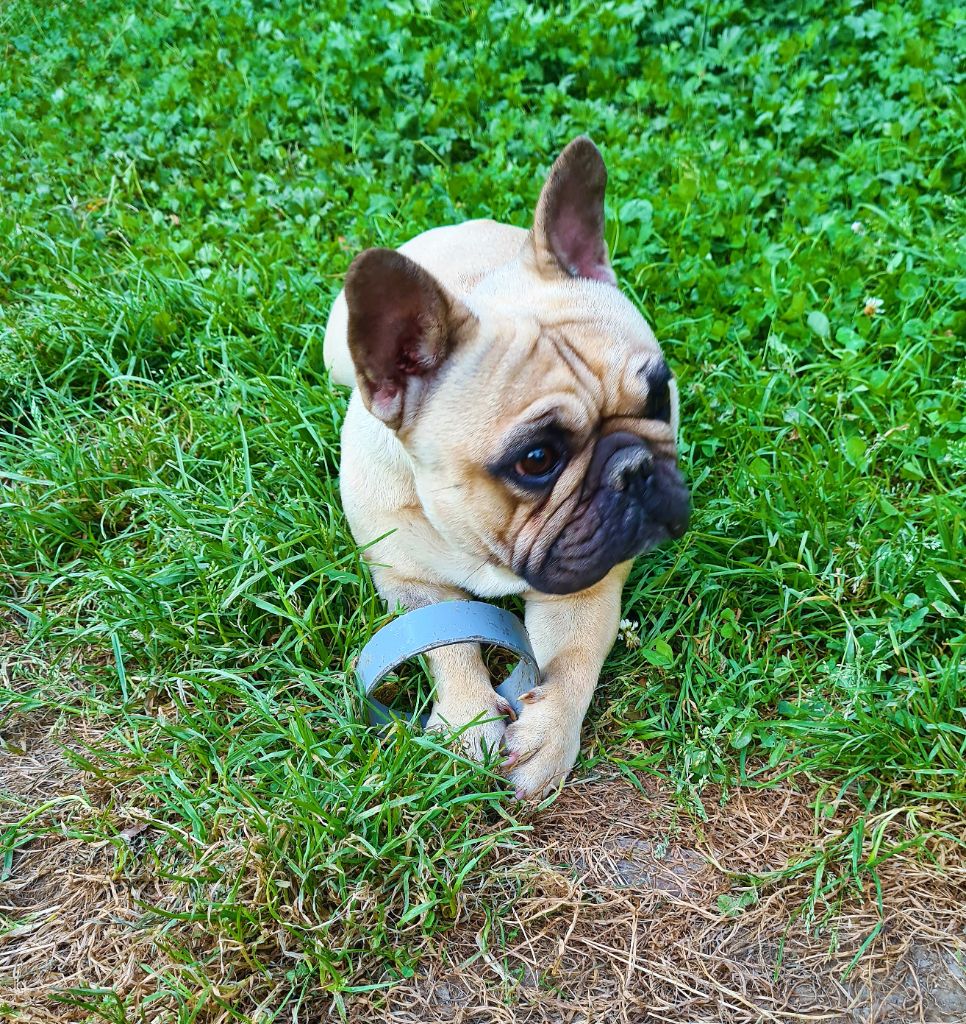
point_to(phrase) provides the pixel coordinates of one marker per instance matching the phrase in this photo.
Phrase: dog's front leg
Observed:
(571, 637)
(464, 692)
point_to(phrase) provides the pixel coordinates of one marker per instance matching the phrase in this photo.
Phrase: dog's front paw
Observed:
(480, 723)
(542, 745)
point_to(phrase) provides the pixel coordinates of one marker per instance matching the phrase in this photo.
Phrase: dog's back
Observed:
(459, 256)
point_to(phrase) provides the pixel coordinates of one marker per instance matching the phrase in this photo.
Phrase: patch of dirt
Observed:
(68, 916)
(633, 913)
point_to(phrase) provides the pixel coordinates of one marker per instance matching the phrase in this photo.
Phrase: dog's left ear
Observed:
(403, 326)
(568, 227)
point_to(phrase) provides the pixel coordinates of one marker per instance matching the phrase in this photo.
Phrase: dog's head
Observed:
(538, 411)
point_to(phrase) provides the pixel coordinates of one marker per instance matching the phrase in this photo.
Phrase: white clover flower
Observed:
(873, 305)
(627, 632)
(858, 228)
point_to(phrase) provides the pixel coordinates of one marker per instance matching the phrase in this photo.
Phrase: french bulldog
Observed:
(512, 430)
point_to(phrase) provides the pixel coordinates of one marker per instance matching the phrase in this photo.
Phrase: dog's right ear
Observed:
(403, 324)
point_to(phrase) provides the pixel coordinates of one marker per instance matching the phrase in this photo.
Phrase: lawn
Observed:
(182, 187)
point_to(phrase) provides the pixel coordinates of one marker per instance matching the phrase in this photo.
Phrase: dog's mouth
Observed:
(566, 575)
(632, 510)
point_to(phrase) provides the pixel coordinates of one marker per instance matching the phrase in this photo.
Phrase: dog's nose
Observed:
(630, 467)
(637, 474)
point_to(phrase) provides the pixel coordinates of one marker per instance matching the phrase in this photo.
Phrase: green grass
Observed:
(183, 186)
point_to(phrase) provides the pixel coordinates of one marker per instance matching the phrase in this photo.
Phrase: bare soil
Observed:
(635, 914)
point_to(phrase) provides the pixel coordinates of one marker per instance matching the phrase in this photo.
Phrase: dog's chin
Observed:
(563, 573)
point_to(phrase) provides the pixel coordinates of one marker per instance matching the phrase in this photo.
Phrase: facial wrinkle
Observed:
(578, 366)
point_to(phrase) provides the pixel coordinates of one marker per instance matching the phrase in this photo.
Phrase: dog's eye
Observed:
(538, 462)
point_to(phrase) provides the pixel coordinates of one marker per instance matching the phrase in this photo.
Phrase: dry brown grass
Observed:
(72, 918)
(67, 916)
(619, 920)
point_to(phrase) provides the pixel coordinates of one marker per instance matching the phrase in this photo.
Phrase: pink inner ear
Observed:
(577, 243)
(385, 400)
(411, 360)
(384, 391)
